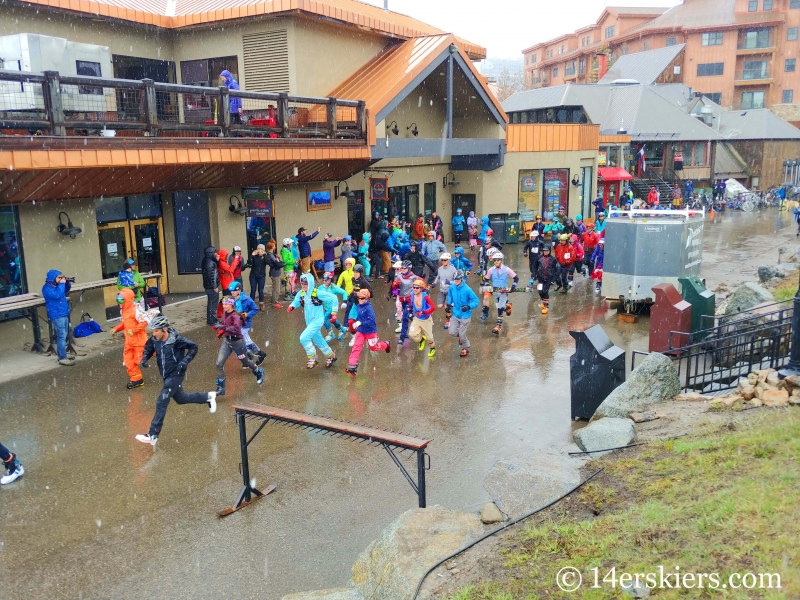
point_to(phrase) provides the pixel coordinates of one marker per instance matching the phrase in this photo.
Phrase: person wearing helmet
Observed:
(589, 242)
(432, 249)
(461, 301)
(546, 270)
(488, 242)
(173, 354)
(459, 222)
(600, 224)
(597, 264)
(580, 255)
(403, 285)
(497, 276)
(246, 307)
(289, 265)
(444, 277)
(135, 337)
(422, 307)
(363, 325)
(349, 249)
(581, 226)
(332, 306)
(459, 261)
(360, 282)
(363, 254)
(313, 302)
(418, 260)
(229, 330)
(554, 229)
(565, 256)
(345, 280)
(533, 250)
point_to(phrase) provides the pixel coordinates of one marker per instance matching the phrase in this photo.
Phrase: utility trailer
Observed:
(646, 247)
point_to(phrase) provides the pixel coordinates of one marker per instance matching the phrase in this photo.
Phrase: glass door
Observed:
(355, 215)
(114, 247)
(147, 236)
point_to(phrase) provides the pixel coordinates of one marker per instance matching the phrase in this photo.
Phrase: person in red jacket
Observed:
(589, 241)
(135, 338)
(237, 263)
(579, 255)
(225, 277)
(565, 256)
(652, 197)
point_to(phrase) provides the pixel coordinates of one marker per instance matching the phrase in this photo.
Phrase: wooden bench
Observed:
(320, 255)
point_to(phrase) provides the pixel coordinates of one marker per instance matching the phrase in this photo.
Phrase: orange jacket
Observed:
(225, 270)
(135, 332)
(561, 251)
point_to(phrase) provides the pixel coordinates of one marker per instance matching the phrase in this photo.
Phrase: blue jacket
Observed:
(303, 246)
(245, 304)
(484, 228)
(597, 255)
(230, 82)
(460, 262)
(458, 223)
(332, 304)
(314, 302)
(366, 314)
(55, 296)
(459, 296)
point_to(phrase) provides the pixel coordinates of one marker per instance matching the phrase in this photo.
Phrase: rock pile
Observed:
(760, 388)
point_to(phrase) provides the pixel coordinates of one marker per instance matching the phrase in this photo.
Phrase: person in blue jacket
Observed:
(463, 301)
(304, 248)
(362, 323)
(332, 306)
(248, 308)
(235, 102)
(313, 303)
(484, 228)
(458, 226)
(363, 254)
(54, 291)
(600, 224)
(460, 262)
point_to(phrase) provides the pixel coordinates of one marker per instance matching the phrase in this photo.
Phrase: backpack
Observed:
(86, 327)
(151, 297)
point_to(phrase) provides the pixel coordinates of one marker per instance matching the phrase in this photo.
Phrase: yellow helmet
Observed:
(563, 237)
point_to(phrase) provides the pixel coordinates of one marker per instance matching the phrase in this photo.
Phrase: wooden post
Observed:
(332, 117)
(361, 119)
(283, 113)
(225, 110)
(52, 103)
(148, 107)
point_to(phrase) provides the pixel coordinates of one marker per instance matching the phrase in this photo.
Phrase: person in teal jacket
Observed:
(463, 301)
(313, 302)
(600, 224)
(363, 254)
(332, 306)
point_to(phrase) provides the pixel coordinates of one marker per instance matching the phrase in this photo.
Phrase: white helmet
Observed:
(491, 252)
(498, 256)
(287, 241)
(534, 233)
(444, 256)
(398, 264)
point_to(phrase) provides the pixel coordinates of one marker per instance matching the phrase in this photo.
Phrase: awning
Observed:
(613, 174)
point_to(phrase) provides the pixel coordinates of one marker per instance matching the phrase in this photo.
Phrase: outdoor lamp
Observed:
(68, 229)
(413, 129)
(393, 128)
(449, 179)
(238, 209)
(576, 181)
(346, 193)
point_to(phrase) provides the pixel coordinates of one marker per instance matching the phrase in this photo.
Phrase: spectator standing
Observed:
(236, 261)
(329, 245)
(210, 271)
(55, 290)
(235, 103)
(437, 226)
(458, 223)
(258, 272)
(276, 266)
(304, 248)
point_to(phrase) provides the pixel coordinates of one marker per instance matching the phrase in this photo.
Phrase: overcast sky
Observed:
(505, 27)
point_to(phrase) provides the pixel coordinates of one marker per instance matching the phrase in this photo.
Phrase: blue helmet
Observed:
(234, 285)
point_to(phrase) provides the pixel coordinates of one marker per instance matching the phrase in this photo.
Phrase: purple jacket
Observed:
(328, 249)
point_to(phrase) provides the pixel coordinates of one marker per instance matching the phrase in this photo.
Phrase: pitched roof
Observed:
(728, 163)
(755, 124)
(697, 14)
(644, 114)
(385, 77)
(172, 14)
(644, 67)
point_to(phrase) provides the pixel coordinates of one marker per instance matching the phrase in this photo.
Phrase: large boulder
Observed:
(746, 296)
(766, 272)
(655, 379)
(391, 566)
(604, 434)
(519, 485)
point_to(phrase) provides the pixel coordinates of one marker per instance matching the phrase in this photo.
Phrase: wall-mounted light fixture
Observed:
(449, 180)
(413, 129)
(238, 209)
(346, 193)
(68, 229)
(394, 128)
(576, 181)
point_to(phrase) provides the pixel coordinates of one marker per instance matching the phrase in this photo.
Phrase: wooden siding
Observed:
(614, 139)
(551, 138)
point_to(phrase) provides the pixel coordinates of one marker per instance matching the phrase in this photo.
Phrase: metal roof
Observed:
(755, 124)
(644, 67)
(728, 163)
(644, 113)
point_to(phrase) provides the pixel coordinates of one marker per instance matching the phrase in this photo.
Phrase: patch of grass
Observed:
(722, 503)
(785, 290)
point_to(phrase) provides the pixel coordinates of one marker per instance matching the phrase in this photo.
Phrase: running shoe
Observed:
(147, 439)
(212, 402)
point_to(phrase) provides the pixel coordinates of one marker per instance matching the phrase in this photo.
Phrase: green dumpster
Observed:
(703, 301)
(512, 228)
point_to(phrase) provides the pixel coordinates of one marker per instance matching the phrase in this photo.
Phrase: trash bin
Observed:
(703, 301)
(595, 370)
(512, 228)
(497, 222)
(669, 313)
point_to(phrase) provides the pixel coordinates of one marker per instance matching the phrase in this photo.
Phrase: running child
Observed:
(444, 277)
(421, 329)
(533, 250)
(462, 301)
(135, 337)
(497, 276)
(247, 308)
(362, 323)
(313, 302)
(546, 270)
(230, 330)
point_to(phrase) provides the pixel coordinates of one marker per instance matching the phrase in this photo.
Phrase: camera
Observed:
(70, 279)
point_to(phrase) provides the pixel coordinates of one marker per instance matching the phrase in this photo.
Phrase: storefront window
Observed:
(556, 190)
(124, 208)
(699, 154)
(430, 199)
(654, 154)
(12, 271)
(260, 226)
(192, 230)
(529, 194)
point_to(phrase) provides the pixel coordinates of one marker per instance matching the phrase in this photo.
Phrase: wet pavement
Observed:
(99, 515)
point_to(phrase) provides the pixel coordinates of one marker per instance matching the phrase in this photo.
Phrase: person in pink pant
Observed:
(362, 323)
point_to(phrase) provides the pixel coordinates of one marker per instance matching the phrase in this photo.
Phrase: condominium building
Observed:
(740, 53)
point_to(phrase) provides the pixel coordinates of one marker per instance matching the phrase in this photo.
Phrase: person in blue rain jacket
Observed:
(313, 302)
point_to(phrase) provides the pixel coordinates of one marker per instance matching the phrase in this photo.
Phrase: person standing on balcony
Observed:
(235, 103)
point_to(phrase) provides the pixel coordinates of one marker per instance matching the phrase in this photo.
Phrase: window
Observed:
(609, 32)
(556, 191)
(710, 69)
(713, 38)
(192, 231)
(647, 44)
(752, 6)
(555, 72)
(586, 40)
(582, 66)
(549, 53)
(533, 59)
(789, 65)
(767, 4)
(671, 41)
(562, 49)
(756, 38)
(714, 97)
(791, 34)
(699, 155)
(754, 69)
(90, 69)
(12, 282)
(794, 4)
(569, 69)
(752, 99)
(787, 96)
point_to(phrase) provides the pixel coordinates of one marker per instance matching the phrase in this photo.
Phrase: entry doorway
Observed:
(404, 204)
(466, 202)
(355, 215)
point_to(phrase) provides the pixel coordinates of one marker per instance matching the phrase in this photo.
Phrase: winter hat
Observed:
(228, 300)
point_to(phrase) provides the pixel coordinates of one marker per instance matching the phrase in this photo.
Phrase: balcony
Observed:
(53, 105)
(760, 42)
(747, 77)
(540, 81)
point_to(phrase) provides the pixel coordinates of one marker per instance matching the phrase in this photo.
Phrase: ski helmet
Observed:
(234, 285)
(490, 232)
(546, 248)
(569, 220)
(363, 293)
(397, 265)
(358, 269)
(327, 276)
(406, 264)
(159, 322)
(287, 241)
(444, 256)
(458, 275)
(579, 217)
(534, 233)
(498, 256)
(563, 237)
(491, 252)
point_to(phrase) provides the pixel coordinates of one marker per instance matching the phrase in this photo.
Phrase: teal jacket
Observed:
(314, 301)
